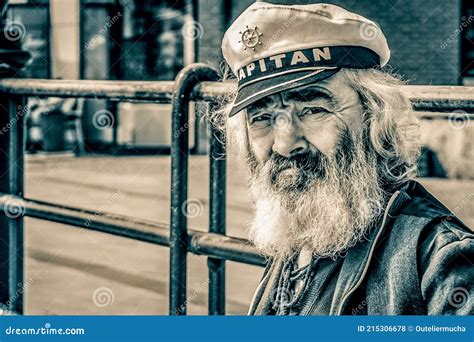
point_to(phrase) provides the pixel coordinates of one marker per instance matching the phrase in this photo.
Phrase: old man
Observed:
(329, 142)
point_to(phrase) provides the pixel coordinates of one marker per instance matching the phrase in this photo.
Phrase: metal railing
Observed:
(194, 83)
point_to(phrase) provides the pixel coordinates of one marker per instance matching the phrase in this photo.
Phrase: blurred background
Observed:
(112, 156)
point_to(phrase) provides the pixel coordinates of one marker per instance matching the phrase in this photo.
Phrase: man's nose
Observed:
(288, 138)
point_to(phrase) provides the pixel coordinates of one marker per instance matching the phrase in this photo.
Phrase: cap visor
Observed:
(255, 91)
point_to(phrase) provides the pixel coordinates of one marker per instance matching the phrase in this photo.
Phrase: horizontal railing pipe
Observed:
(427, 98)
(160, 92)
(201, 243)
(225, 248)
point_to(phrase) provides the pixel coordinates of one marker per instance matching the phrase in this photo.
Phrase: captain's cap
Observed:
(271, 48)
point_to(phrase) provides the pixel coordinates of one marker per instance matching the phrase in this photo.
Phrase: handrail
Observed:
(185, 82)
(429, 98)
(214, 245)
(160, 92)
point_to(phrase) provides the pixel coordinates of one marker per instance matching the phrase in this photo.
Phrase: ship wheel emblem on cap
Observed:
(251, 38)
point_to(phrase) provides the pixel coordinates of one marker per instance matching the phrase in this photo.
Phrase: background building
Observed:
(146, 40)
(432, 42)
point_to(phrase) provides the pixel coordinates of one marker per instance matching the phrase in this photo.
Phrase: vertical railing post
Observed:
(217, 218)
(184, 84)
(12, 144)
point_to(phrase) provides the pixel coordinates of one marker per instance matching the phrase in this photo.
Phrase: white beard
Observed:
(328, 217)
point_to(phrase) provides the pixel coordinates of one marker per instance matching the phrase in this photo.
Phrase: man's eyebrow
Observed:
(261, 103)
(310, 94)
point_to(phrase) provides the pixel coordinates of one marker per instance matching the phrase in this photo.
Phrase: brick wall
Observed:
(212, 19)
(417, 32)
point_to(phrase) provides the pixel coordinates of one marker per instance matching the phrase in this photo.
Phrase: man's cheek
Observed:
(323, 139)
(261, 148)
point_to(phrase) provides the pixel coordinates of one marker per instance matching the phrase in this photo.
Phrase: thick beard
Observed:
(327, 210)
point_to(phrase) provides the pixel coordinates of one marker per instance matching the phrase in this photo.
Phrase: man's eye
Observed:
(260, 118)
(314, 111)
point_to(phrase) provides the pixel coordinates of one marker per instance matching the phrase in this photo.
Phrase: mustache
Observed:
(315, 161)
(308, 163)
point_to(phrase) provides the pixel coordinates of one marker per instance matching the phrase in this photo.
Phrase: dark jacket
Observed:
(418, 261)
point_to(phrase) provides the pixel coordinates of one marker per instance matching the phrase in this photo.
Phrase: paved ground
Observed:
(66, 266)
